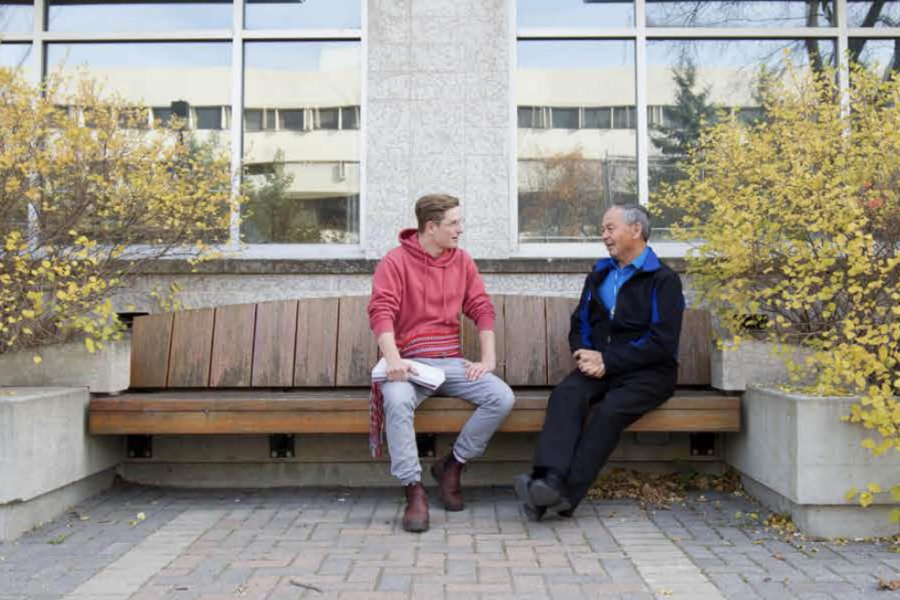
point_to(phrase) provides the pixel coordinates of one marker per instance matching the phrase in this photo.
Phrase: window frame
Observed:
(640, 33)
(237, 36)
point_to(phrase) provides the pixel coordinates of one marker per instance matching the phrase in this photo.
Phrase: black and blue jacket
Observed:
(647, 324)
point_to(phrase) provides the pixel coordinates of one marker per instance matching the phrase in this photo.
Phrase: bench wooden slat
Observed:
(471, 346)
(232, 356)
(273, 344)
(694, 348)
(192, 334)
(151, 339)
(344, 399)
(525, 340)
(347, 412)
(317, 333)
(559, 358)
(357, 351)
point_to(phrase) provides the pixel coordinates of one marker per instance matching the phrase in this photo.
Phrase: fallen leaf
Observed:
(891, 585)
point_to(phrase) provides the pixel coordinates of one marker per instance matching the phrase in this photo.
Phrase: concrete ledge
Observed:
(44, 449)
(826, 520)
(17, 517)
(107, 371)
(734, 368)
(802, 459)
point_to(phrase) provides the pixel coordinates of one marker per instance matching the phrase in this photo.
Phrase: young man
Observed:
(417, 294)
(624, 338)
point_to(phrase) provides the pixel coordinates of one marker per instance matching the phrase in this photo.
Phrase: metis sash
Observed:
(426, 345)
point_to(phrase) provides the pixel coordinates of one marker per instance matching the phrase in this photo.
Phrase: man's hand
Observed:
(474, 370)
(398, 370)
(590, 362)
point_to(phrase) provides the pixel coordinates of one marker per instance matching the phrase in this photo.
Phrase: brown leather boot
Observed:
(415, 516)
(447, 472)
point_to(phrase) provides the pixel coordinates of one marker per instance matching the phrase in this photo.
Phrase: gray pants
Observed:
(488, 393)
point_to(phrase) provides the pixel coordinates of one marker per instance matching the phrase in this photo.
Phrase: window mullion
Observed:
(237, 122)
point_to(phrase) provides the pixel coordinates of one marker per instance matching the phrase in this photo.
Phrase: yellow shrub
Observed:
(89, 193)
(797, 218)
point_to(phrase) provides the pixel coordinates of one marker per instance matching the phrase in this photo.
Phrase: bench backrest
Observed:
(326, 342)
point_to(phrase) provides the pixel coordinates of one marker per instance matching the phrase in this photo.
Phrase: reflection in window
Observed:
(329, 118)
(564, 118)
(93, 17)
(598, 118)
(350, 117)
(572, 164)
(309, 14)
(15, 17)
(253, 119)
(175, 79)
(746, 13)
(696, 79)
(866, 13)
(574, 13)
(14, 56)
(302, 142)
(881, 55)
(209, 117)
(290, 119)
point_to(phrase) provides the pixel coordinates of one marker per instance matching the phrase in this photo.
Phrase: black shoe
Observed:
(521, 485)
(546, 491)
(564, 508)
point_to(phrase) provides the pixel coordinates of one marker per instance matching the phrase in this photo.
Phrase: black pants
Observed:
(586, 417)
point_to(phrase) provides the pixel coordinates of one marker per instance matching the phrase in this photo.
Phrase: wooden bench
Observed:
(302, 366)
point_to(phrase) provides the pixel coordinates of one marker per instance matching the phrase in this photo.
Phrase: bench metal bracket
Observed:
(281, 445)
(139, 446)
(703, 444)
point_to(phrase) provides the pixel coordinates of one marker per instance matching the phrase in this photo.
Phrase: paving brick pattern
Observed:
(345, 544)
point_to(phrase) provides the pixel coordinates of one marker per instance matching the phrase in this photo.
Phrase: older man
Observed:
(624, 338)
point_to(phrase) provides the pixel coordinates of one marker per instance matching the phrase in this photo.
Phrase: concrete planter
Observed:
(48, 462)
(753, 362)
(796, 456)
(107, 371)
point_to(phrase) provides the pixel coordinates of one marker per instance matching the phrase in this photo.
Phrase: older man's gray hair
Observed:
(635, 213)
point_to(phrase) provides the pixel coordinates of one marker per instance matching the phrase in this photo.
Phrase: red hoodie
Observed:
(415, 293)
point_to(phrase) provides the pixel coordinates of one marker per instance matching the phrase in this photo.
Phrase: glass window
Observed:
(873, 14)
(208, 117)
(752, 13)
(598, 118)
(15, 17)
(90, 17)
(253, 119)
(173, 78)
(329, 118)
(574, 13)
(882, 55)
(695, 79)
(290, 119)
(623, 117)
(566, 179)
(310, 14)
(303, 177)
(564, 118)
(350, 117)
(14, 56)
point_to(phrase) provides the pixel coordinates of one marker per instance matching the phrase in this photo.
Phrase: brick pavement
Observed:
(344, 544)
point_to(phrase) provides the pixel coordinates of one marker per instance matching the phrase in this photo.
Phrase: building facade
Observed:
(537, 114)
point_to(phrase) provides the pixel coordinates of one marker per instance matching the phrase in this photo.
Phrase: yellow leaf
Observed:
(874, 488)
(89, 343)
(37, 359)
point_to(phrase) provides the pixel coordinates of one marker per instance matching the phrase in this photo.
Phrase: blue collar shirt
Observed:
(617, 277)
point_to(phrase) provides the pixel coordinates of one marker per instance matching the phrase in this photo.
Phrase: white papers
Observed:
(426, 375)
